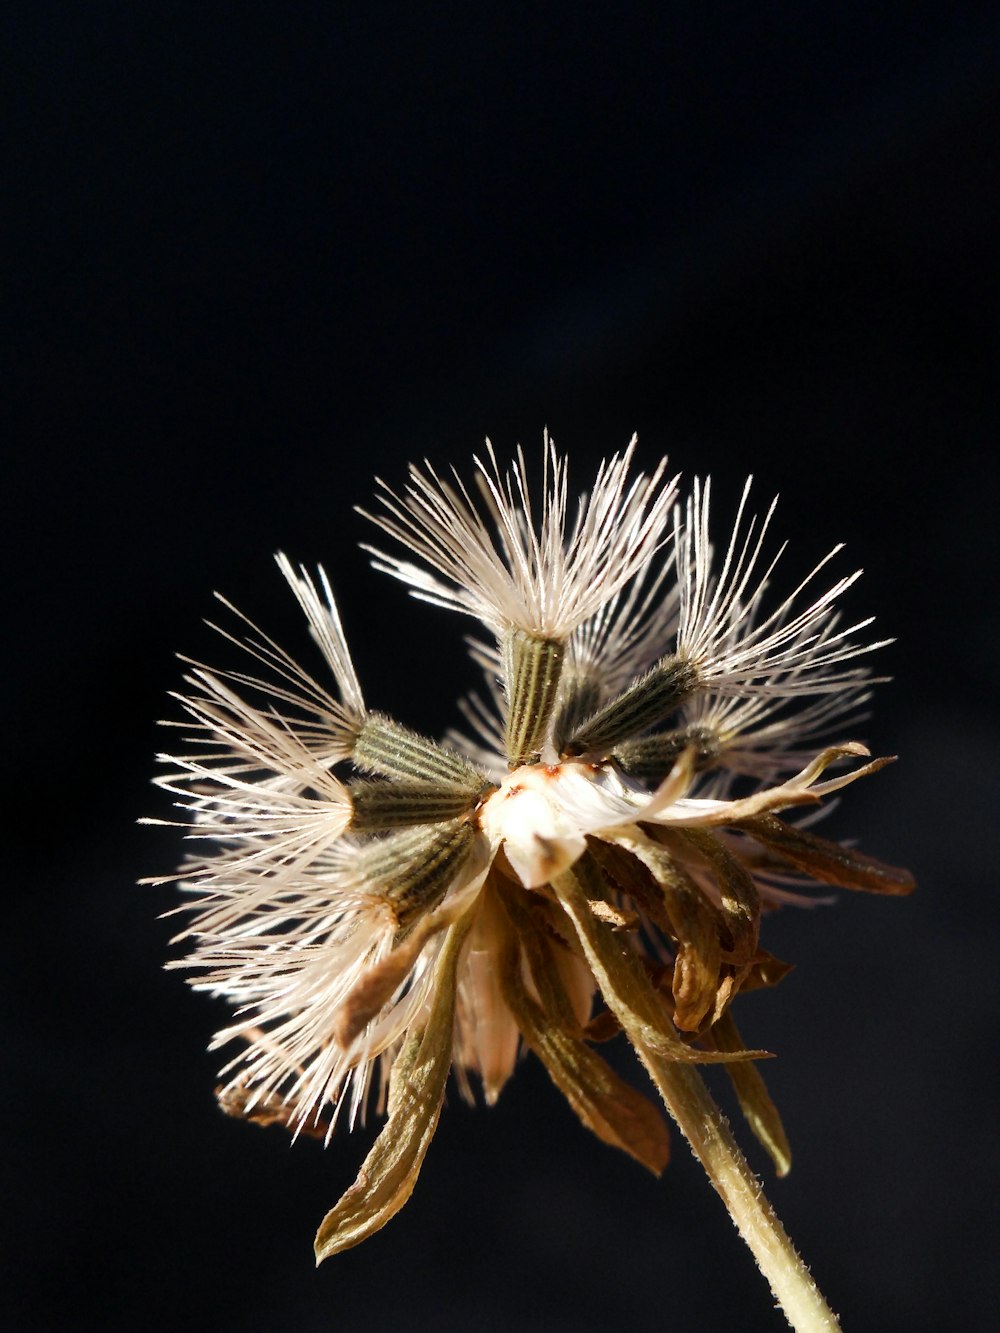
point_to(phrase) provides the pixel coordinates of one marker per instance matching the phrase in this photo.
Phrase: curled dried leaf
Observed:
(416, 1091)
(740, 899)
(605, 1104)
(620, 973)
(646, 870)
(826, 861)
(758, 1109)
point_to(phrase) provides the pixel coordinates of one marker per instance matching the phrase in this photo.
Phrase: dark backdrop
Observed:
(266, 251)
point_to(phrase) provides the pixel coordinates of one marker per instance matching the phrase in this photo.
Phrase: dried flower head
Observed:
(382, 909)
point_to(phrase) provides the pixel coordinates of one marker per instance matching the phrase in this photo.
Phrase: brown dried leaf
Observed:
(609, 1107)
(827, 861)
(416, 1091)
(620, 973)
(687, 917)
(758, 1109)
(740, 899)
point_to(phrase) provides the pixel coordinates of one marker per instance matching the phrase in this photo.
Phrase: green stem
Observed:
(703, 1125)
(635, 1004)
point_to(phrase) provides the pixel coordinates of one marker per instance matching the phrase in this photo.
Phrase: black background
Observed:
(266, 251)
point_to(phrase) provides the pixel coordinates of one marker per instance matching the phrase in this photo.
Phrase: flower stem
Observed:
(703, 1125)
(634, 1002)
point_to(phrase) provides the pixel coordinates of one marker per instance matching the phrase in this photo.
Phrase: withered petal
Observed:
(602, 1027)
(827, 861)
(645, 870)
(765, 971)
(740, 899)
(613, 1110)
(376, 985)
(758, 1109)
(266, 1111)
(621, 975)
(416, 1091)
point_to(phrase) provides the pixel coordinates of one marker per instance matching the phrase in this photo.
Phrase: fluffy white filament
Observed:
(520, 568)
(722, 628)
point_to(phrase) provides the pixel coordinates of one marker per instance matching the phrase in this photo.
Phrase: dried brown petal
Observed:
(730, 984)
(765, 971)
(621, 975)
(487, 1038)
(375, 986)
(613, 916)
(758, 1109)
(645, 869)
(266, 1111)
(609, 1107)
(602, 1027)
(537, 946)
(740, 899)
(416, 1091)
(827, 861)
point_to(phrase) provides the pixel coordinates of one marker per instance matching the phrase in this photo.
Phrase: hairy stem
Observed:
(635, 1004)
(703, 1125)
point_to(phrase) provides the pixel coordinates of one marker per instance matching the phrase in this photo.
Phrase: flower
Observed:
(509, 571)
(381, 908)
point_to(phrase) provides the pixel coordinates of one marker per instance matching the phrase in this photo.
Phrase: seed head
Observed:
(380, 908)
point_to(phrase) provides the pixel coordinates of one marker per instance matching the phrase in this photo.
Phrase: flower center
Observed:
(532, 813)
